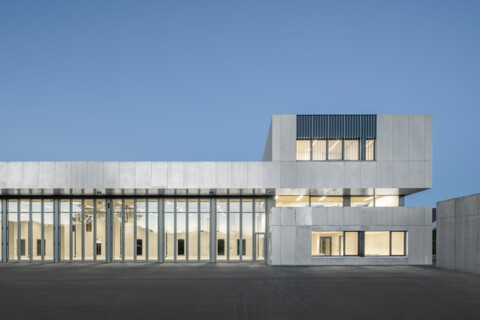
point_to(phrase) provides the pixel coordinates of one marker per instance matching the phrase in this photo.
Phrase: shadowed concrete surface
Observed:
(235, 291)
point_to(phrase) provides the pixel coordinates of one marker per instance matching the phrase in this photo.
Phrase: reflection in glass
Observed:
(327, 243)
(291, 201)
(77, 229)
(260, 247)
(36, 230)
(398, 243)
(141, 242)
(89, 235)
(65, 230)
(335, 149)
(370, 149)
(152, 230)
(377, 243)
(193, 229)
(48, 230)
(247, 231)
(129, 243)
(13, 230)
(100, 243)
(364, 201)
(326, 201)
(24, 232)
(319, 149)
(235, 247)
(303, 149)
(117, 229)
(205, 229)
(386, 201)
(221, 229)
(181, 229)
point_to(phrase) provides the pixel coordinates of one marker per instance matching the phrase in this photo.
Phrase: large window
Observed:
(385, 243)
(319, 149)
(292, 201)
(334, 243)
(303, 149)
(326, 201)
(347, 243)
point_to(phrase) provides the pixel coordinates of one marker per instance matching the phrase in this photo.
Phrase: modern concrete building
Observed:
(458, 229)
(330, 190)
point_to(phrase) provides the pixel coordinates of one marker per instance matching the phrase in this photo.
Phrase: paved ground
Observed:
(234, 291)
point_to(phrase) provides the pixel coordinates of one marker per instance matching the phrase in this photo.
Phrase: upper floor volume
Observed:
(308, 154)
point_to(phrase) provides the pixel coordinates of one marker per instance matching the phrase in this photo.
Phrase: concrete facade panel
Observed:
(127, 174)
(239, 174)
(384, 216)
(191, 175)
(159, 174)
(289, 138)
(95, 177)
(416, 137)
(400, 137)
(288, 247)
(303, 246)
(255, 174)
(223, 174)
(384, 137)
(400, 173)
(354, 217)
(143, 174)
(14, 174)
(352, 174)
(111, 174)
(288, 174)
(336, 174)
(63, 173)
(174, 175)
(79, 174)
(416, 174)
(31, 174)
(384, 174)
(368, 174)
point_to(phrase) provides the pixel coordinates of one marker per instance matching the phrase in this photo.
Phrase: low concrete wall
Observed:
(290, 233)
(458, 241)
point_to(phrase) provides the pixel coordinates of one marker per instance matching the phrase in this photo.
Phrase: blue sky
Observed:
(199, 80)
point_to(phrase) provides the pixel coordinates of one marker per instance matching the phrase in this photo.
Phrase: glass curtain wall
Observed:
(89, 231)
(30, 225)
(152, 227)
(82, 230)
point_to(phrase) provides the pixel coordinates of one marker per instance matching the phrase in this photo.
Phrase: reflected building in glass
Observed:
(330, 189)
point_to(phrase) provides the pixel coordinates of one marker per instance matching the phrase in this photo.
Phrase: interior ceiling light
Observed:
(276, 197)
(300, 197)
(322, 198)
(371, 141)
(369, 198)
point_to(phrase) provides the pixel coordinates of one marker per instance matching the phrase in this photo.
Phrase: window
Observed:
(386, 201)
(303, 150)
(319, 147)
(398, 243)
(334, 149)
(99, 249)
(39, 247)
(365, 201)
(347, 243)
(291, 201)
(370, 149)
(326, 201)
(351, 243)
(352, 149)
(377, 243)
(331, 243)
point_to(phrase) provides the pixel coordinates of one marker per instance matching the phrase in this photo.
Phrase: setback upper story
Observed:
(304, 155)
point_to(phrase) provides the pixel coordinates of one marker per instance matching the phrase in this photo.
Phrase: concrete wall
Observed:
(458, 241)
(292, 176)
(290, 231)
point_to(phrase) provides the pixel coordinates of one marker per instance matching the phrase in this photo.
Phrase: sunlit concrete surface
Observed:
(235, 291)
